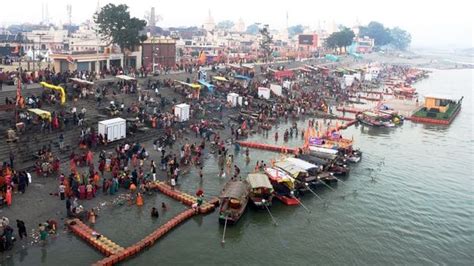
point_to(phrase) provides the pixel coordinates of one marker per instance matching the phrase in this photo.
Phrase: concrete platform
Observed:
(404, 107)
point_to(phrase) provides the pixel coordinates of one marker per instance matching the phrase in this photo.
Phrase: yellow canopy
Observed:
(191, 85)
(42, 113)
(219, 78)
(195, 86)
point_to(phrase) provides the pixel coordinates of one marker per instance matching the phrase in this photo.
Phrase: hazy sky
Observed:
(431, 23)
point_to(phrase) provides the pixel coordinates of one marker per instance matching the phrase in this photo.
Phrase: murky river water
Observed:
(409, 201)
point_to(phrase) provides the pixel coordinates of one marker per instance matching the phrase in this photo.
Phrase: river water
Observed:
(409, 201)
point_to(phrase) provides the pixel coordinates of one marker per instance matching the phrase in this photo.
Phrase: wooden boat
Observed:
(233, 201)
(261, 190)
(308, 177)
(338, 168)
(327, 177)
(324, 153)
(374, 120)
(283, 184)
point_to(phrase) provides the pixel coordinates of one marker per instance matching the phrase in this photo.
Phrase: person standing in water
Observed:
(154, 213)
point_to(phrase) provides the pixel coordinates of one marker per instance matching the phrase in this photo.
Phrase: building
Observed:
(209, 23)
(10, 45)
(46, 40)
(93, 60)
(240, 26)
(308, 44)
(160, 51)
(81, 61)
(364, 45)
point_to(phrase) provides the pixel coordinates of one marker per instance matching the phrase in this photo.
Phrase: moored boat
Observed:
(337, 167)
(261, 190)
(374, 120)
(283, 184)
(312, 169)
(325, 153)
(233, 201)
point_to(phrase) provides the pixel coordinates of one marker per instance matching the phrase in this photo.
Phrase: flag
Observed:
(244, 125)
(70, 59)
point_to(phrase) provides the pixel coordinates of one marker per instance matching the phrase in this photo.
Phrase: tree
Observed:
(340, 39)
(265, 43)
(225, 25)
(346, 36)
(295, 30)
(331, 42)
(253, 29)
(116, 26)
(400, 38)
(376, 31)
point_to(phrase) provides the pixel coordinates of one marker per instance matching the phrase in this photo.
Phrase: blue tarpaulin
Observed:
(209, 86)
(242, 77)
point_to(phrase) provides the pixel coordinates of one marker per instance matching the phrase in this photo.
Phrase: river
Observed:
(409, 201)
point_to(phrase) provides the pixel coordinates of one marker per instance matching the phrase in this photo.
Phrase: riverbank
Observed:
(43, 205)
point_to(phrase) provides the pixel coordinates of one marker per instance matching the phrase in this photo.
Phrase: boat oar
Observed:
(339, 180)
(312, 191)
(299, 202)
(266, 207)
(324, 183)
(223, 234)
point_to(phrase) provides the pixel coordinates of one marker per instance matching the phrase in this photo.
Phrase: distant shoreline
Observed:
(419, 59)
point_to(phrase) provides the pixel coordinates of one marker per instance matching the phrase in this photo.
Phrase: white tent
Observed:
(181, 111)
(276, 89)
(264, 93)
(125, 77)
(232, 98)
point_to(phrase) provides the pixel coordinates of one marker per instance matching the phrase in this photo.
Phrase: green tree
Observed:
(266, 42)
(331, 42)
(376, 31)
(225, 25)
(400, 38)
(340, 39)
(346, 36)
(115, 25)
(295, 30)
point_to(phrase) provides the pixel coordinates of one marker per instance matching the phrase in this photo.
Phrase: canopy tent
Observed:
(196, 88)
(311, 67)
(250, 66)
(124, 77)
(341, 70)
(41, 113)
(242, 77)
(259, 181)
(218, 78)
(350, 70)
(234, 66)
(284, 74)
(208, 85)
(82, 81)
(191, 85)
